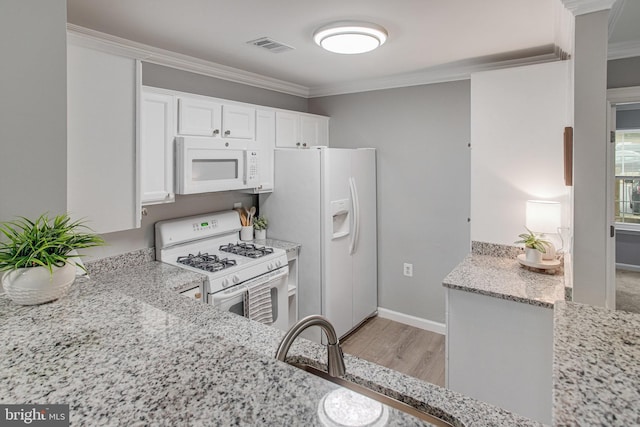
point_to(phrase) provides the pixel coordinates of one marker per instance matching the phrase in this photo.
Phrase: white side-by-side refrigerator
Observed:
(325, 199)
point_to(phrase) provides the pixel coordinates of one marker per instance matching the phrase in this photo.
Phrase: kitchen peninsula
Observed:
(125, 348)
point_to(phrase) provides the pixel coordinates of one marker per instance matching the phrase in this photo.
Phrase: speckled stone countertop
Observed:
(123, 348)
(596, 366)
(505, 278)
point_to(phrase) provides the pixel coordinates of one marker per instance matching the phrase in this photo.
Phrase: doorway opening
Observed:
(623, 289)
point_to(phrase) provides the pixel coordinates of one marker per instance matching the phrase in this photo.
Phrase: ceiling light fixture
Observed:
(350, 37)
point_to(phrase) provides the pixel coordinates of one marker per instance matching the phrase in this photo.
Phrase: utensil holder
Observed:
(246, 233)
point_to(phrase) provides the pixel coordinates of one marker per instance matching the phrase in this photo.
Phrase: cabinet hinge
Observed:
(612, 136)
(612, 231)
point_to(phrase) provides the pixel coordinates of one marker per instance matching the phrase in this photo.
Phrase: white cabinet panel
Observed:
(156, 147)
(287, 125)
(198, 117)
(300, 129)
(238, 122)
(102, 180)
(500, 352)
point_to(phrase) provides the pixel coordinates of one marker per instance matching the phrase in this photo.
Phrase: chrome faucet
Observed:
(335, 358)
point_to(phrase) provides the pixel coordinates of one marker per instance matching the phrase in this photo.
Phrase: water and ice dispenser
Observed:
(340, 214)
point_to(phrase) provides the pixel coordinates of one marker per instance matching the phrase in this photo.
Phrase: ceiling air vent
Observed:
(270, 45)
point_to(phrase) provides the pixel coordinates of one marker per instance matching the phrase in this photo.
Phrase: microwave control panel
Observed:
(251, 173)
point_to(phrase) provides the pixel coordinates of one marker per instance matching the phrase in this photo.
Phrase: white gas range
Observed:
(244, 278)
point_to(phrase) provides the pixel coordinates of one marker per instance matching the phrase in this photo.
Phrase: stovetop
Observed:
(208, 244)
(247, 249)
(206, 262)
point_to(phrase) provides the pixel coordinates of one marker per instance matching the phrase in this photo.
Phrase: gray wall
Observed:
(421, 134)
(33, 108)
(623, 72)
(168, 78)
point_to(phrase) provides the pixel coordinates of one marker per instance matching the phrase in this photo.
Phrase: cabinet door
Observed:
(287, 125)
(156, 148)
(310, 130)
(238, 122)
(102, 180)
(199, 118)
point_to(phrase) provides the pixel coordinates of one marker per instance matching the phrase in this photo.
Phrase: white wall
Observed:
(33, 109)
(421, 135)
(590, 154)
(518, 117)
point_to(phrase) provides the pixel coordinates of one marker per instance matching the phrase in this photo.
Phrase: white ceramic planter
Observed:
(533, 255)
(35, 285)
(261, 234)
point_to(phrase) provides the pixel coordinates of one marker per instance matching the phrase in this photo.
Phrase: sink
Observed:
(379, 397)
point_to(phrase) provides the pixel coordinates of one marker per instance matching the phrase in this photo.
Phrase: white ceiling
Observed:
(423, 34)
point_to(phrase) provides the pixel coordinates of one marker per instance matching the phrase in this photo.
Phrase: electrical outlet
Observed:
(408, 269)
(237, 205)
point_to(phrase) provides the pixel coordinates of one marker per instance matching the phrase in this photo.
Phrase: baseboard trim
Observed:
(628, 267)
(407, 319)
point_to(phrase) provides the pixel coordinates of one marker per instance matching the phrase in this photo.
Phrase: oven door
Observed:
(232, 299)
(205, 165)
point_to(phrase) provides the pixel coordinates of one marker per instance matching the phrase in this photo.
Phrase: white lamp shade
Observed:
(543, 216)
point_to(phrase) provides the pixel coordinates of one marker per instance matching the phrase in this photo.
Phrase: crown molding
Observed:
(622, 50)
(119, 46)
(430, 76)
(453, 72)
(582, 7)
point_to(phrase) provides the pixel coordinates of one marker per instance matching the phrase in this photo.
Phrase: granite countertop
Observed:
(504, 278)
(596, 366)
(125, 348)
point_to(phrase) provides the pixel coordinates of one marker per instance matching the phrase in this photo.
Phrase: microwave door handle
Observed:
(222, 296)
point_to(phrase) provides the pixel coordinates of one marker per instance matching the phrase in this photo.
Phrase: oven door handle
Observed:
(218, 297)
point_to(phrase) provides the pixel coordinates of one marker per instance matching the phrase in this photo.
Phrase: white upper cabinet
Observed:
(300, 129)
(238, 122)
(157, 130)
(202, 117)
(198, 117)
(102, 170)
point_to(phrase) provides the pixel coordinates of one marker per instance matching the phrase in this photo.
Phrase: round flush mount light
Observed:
(350, 37)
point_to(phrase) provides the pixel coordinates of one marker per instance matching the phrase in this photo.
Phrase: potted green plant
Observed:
(260, 225)
(37, 257)
(534, 246)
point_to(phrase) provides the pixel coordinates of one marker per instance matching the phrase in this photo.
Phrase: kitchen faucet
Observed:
(335, 358)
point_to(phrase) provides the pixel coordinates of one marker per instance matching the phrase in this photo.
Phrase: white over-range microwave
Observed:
(205, 165)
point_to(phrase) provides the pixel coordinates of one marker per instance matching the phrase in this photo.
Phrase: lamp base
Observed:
(550, 253)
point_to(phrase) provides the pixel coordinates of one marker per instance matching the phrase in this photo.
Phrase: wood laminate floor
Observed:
(400, 347)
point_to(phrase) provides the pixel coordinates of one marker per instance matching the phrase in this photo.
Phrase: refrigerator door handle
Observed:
(355, 203)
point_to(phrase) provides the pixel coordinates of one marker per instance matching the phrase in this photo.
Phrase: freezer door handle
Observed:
(355, 203)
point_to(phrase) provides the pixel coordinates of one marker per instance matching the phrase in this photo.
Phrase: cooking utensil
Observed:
(252, 212)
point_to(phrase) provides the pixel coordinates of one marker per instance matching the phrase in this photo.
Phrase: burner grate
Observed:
(206, 262)
(246, 249)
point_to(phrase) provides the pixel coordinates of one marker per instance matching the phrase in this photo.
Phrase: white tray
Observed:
(551, 264)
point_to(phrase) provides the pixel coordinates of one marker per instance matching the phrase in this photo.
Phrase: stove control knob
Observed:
(269, 266)
(235, 278)
(278, 263)
(225, 282)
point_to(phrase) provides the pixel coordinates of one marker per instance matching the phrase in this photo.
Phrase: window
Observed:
(627, 182)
